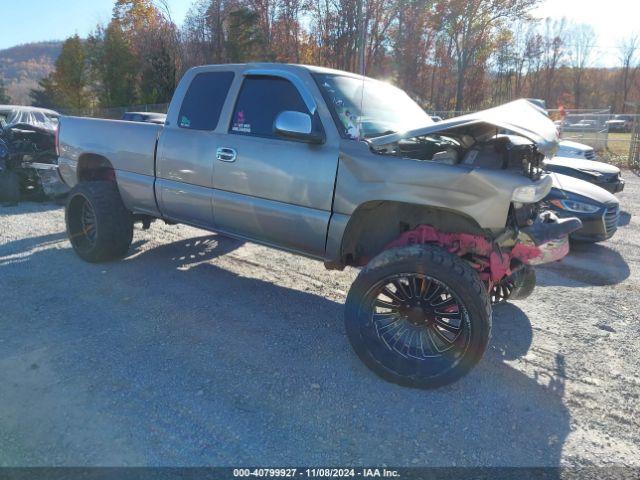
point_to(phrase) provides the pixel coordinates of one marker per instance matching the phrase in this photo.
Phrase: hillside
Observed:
(23, 65)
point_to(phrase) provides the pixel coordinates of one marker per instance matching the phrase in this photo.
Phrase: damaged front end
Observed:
(544, 241)
(29, 163)
(515, 137)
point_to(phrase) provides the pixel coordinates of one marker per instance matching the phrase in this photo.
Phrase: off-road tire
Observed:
(113, 222)
(445, 268)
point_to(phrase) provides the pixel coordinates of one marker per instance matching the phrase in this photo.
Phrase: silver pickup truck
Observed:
(443, 218)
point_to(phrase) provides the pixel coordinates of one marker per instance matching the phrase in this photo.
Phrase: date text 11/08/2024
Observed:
(316, 472)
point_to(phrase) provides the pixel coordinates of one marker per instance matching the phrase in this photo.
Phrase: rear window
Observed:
(204, 99)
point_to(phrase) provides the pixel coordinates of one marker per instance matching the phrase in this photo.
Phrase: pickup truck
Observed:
(443, 219)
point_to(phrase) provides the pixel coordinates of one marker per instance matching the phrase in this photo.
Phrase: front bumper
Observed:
(596, 227)
(613, 187)
(599, 226)
(546, 240)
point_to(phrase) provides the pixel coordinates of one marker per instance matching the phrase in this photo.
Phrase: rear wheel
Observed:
(418, 316)
(99, 226)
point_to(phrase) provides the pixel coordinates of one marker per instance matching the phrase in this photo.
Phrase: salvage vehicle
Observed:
(344, 169)
(28, 158)
(570, 149)
(621, 123)
(148, 117)
(599, 173)
(597, 209)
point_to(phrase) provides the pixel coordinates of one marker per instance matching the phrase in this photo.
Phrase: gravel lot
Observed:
(200, 350)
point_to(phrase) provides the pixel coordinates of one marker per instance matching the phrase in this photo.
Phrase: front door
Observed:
(267, 188)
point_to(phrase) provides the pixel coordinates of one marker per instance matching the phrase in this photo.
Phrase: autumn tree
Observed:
(472, 26)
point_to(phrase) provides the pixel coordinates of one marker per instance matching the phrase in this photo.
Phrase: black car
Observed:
(598, 209)
(601, 174)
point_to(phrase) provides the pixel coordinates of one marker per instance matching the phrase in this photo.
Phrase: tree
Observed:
(114, 66)
(4, 97)
(247, 43)
(66, 86)
(583, 40)
(628, 49)
(472, 26)
(44, 96)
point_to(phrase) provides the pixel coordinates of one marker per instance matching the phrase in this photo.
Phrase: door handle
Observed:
(226, 154)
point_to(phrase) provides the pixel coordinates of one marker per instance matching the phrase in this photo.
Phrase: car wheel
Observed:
(99, 226)
(418, 316)
(516, 286)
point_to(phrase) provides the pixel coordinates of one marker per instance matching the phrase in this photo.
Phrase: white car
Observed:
(569, 149)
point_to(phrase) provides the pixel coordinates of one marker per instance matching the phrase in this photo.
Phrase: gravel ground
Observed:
(201, 350)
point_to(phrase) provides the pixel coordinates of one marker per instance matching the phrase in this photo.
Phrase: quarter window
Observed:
(204, 99)
(260, 101)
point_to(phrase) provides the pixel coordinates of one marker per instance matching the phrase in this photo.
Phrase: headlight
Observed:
(532, 193)
(575, 206)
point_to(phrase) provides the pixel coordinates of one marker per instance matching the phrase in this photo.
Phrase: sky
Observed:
(23, 21)
(39, 20)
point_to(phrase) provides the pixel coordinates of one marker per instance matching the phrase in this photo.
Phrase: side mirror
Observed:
(297, 126)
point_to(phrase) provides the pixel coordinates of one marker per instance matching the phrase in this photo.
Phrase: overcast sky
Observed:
(38, 20)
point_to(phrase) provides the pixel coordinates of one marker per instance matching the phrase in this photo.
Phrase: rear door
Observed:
(267, 188)
(187, 149)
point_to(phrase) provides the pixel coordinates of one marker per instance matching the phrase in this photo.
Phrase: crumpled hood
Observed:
(520, 117)
(583, 188)
(583, 165)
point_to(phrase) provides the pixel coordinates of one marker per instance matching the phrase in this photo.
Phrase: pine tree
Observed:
(4, 97)
(45, 95)
(69, 80)
(246, 42)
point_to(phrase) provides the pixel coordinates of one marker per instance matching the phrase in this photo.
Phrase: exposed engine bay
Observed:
(499, 152)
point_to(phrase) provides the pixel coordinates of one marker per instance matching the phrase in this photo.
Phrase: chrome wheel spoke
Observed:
(417, 317)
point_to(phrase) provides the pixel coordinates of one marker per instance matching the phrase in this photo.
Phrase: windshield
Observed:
(382, 109)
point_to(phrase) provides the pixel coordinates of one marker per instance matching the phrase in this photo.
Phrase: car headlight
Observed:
(575, 206)
(532, 193)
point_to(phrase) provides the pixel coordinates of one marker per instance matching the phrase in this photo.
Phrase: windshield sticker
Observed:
(185, 122)
(240, 124)
(350, 123)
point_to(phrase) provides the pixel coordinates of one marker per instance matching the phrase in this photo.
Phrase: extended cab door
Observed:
(187, 148)
(268, 188)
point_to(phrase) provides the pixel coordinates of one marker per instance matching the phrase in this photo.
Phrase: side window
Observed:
(260, 100)
(204, 99)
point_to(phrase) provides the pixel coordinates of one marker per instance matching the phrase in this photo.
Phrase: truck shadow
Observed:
(211, 367)
(588, 263)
